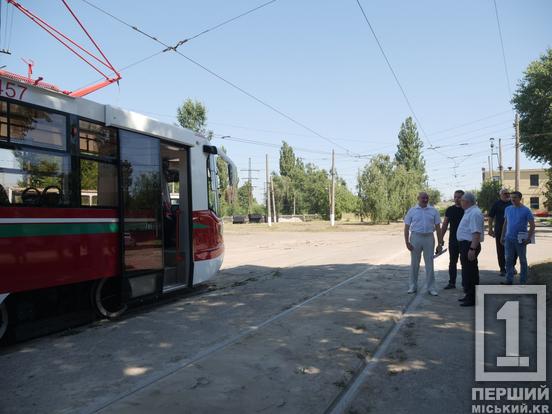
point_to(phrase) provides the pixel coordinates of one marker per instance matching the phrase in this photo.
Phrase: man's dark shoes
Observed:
(468, 303)
(505, 283)
(450, 286)
(462, 299)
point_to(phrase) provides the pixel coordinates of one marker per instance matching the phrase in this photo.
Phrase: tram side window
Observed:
(33, 178)
(98, 183)
(3, 120)
(98, 171)
(97, 140)
(35, 127)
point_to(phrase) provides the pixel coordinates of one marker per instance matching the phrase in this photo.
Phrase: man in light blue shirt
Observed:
(419, 224)
(470, 234)
(515, 237)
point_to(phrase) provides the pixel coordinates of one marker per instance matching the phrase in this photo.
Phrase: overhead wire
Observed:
(470, 123)
(180, 42)
(233, 85)
(274, 145)
(393, 71)
(502, 48)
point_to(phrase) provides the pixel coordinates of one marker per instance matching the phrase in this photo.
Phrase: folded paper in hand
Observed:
(439, 254)
(523, 235)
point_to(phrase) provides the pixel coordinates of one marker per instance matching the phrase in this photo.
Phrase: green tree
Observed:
(345, 200)
(434, 195)
(488, 195)
(548, 190)
(409, 149)
(533, 102)
(193, 115)
(403, 188)
(288, 161)
(373, 183)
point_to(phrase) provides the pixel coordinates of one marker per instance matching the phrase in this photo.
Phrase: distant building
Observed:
(532, 185)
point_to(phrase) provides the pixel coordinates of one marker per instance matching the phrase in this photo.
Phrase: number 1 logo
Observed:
(509, 312)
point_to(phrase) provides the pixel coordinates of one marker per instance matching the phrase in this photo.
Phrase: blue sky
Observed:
(317, 62)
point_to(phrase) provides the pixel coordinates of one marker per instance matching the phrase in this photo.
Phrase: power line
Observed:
(502, 47)
(469, 123)
(180, 42)
(393, 72)
(221, 78)
(225, 22)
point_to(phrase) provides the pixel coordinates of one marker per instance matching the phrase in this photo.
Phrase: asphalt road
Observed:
(296, 322)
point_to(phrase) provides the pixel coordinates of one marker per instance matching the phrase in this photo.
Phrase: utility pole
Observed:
(500, 166)
(273, 201)
(267, 186)
(332, 196)
(491, 165)
(359, 197)
(518, 174)
(490, 168)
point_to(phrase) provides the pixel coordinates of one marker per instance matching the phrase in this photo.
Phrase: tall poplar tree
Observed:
(409, 149)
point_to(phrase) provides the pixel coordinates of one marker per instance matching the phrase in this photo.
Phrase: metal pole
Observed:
(267, 185)
(518, 173)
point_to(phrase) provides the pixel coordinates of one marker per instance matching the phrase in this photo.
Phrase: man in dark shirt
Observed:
(496, 221)
(453, 216)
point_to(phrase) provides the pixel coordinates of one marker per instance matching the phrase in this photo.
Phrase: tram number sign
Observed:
(12, 90)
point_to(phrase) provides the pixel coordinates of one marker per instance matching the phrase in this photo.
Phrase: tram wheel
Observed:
(106, 298)
(3, 319)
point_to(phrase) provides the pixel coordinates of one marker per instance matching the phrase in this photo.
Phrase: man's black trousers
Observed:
(454, 252)
(470, 269)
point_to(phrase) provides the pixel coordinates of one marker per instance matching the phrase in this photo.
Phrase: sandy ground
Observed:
(301, 319)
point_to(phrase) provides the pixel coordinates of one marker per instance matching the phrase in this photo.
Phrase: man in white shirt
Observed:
(419, 224)
(470, 234)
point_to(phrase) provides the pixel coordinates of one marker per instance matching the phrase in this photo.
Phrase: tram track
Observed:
(224, 344)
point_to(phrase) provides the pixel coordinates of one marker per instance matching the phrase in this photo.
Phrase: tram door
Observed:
(155, 213)
(176, 218)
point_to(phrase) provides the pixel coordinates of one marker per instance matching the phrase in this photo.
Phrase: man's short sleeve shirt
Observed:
(422, 219)
(517, 219)
(472, 222)
(454, 215)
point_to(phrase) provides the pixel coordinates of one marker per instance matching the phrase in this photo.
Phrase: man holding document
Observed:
(515, 237)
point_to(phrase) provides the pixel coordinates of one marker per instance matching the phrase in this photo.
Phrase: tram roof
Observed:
(104, 113)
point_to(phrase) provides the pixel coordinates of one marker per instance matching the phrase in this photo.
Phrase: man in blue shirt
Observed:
(515, 237)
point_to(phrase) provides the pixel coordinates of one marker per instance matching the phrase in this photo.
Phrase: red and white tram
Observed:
(97, 195)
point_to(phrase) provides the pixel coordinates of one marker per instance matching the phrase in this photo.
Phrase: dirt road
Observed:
(296, 322)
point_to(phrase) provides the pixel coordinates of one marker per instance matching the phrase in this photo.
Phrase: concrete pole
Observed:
(267, 185)
(517, 166)
(273, 201)
(500, 166)
(490, 169)
(332, 197)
